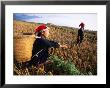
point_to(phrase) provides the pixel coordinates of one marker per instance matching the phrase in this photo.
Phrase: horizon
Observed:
(90, 20)
(57, 25)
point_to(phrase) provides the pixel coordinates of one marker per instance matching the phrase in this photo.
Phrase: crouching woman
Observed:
(41, 46)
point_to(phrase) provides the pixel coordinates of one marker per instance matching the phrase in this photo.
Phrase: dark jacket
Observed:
(80, 32)
(42, 45)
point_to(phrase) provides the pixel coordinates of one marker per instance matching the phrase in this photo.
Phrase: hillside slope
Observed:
(84, 56)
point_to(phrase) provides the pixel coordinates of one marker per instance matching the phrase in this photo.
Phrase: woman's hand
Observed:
(64, 46)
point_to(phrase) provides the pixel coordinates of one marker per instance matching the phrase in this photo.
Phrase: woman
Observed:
(80, 33)
(41, 46)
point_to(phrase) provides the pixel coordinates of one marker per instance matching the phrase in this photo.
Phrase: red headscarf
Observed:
(82, 25)
(41, 27)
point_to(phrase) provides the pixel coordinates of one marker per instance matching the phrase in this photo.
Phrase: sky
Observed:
(62, 19)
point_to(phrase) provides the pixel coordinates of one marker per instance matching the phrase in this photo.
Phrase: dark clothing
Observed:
(41, 45)
(80, 36)
(80, 32)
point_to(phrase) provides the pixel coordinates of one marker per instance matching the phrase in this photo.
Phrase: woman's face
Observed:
(46, 32)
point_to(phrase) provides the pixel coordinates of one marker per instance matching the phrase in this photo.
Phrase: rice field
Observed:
(84, 57)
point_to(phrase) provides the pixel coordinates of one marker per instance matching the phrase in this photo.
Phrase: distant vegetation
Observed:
(76, 60)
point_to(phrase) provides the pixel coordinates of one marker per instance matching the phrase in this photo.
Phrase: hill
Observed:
(84, 57)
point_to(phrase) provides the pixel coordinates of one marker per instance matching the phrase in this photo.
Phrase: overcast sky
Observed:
(71, 20)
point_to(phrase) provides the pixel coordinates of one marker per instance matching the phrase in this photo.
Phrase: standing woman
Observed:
(80, 33)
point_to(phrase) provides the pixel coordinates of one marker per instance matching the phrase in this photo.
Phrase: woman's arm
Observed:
(54, 44)
(58, 45)
(48, 44)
